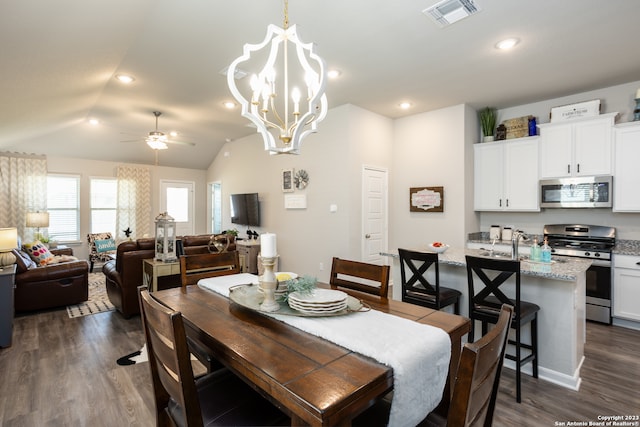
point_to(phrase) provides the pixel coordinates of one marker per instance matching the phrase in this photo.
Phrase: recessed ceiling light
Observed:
(94, 122)
(173, 133)
(125, 78)
(405, 105)
(229, 104)
(332, 74)
(507, 43)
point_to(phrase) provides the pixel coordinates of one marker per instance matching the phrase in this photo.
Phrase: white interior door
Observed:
(176, 198)
(374, 214)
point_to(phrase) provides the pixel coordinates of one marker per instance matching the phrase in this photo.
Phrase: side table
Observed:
(248, 253)
(152, 269)
(7, 283)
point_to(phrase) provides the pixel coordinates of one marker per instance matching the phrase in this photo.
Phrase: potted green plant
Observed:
(488, 117)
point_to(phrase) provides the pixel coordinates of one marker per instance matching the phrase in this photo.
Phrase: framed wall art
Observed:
(426, 199)
(287, 180)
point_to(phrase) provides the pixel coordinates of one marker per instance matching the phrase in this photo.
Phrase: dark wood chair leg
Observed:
(518, 365)
(534, 345)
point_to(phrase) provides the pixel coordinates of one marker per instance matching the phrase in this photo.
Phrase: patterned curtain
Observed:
(23, 186)
(134, 201)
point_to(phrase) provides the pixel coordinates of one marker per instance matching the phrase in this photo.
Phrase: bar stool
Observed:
(486, 299)
(417, 289)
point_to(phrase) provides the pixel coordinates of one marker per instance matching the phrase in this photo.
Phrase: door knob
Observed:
(367, 236)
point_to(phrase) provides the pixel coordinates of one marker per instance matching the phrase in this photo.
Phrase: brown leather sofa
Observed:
(124, 274)
(49, 286)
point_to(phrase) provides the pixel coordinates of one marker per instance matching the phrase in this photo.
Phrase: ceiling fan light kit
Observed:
(271, 101)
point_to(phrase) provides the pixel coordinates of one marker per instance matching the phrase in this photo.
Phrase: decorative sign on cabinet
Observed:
(506, 175)
(580, 147)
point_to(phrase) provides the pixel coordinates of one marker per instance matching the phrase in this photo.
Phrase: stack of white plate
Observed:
(319, 301)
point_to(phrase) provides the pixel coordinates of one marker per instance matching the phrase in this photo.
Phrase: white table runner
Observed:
(419, 354)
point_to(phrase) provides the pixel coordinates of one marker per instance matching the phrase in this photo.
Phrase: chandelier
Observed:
(274, 102)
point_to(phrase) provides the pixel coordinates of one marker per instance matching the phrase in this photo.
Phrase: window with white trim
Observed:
(63, 205)
(104, 204)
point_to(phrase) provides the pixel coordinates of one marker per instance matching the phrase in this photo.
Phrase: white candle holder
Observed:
(268, 284)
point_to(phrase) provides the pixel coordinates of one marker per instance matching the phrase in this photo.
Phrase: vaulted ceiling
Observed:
(59, 59)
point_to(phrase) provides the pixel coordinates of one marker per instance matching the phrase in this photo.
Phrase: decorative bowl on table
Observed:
(438, 247)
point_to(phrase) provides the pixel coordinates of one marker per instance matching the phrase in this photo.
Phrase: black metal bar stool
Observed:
(417, 289)
(486, 299)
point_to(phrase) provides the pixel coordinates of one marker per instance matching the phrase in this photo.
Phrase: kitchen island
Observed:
(558, 288)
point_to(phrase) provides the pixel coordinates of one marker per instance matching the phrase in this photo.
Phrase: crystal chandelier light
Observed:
(273, 100)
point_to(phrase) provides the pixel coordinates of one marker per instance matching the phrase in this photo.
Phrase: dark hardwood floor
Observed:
(63, 372)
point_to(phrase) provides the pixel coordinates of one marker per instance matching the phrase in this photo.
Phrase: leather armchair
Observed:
(49, 286)
(124, 274)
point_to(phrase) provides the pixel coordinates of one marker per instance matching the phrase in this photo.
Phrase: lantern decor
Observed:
(165, 238)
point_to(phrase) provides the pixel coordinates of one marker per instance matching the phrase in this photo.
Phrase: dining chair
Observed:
(475, 388)
(485, 299)
(201, 266)
(417, 289)
(216, 399)
(360, 276)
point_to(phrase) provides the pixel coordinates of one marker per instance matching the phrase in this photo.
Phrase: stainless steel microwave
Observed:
(578, 192)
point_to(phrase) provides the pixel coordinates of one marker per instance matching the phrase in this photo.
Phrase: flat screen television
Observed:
(245, 209)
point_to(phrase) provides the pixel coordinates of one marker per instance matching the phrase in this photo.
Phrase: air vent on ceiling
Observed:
(447, 12)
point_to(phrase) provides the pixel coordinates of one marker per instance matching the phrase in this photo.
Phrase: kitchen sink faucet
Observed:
(515, 239)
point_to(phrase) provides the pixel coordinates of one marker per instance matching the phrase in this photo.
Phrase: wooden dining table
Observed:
(314, 381)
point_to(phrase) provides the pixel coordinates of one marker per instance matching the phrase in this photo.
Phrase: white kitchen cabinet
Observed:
(581, 147)
(626, 287)
(506, 175)
(626, 171)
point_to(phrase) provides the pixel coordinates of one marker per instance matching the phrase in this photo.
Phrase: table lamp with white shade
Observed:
(8, 242)
(38, 220)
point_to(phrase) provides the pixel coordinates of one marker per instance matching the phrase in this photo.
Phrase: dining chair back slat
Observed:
(201, 266)
(360, 276)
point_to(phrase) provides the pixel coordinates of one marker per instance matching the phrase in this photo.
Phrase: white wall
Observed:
(618, 99)
(348, 138)
(434, 149)
(88, 169)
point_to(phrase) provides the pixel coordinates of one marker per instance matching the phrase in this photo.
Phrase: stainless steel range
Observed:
(595, 242)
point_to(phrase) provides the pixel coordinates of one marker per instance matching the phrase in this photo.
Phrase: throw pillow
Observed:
(105, 245)
(38, 252)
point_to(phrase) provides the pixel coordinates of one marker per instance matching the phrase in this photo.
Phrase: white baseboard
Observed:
(563, 380)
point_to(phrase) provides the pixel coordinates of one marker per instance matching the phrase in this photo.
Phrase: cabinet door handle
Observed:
(568, 168)
(638, 263)
(578, 168)
(500, 202)
(507, 202)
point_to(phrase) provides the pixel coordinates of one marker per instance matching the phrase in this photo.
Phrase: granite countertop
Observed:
(560, 268)
(622, 247)
(627, 247)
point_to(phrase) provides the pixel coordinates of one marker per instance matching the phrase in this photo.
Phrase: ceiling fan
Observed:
(158, 140)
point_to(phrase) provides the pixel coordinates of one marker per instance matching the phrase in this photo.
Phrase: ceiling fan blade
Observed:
(169, 141)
